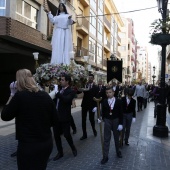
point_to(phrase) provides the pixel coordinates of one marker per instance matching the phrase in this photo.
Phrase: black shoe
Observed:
(58, 156)
(74, 131)
(83, 137)
(119, 154)
(138, 111)
(95, 133)
(127, 143)
(74, 152)
(104, 160)
(14, 154)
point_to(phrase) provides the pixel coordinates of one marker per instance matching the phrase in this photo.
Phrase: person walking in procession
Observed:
(89, 105)
(112, 116)
(129, 114)
(63, 105)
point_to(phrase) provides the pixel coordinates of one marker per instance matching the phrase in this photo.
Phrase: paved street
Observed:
(144, 153)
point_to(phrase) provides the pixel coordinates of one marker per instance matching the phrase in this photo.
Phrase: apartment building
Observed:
(149, 73)
(97, 34)
(123, 48)
(142, 57)
(132, 52)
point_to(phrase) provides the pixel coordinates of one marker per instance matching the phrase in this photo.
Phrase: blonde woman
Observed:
(35, 113)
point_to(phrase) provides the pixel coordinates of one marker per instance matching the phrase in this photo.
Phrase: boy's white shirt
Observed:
(111, 102)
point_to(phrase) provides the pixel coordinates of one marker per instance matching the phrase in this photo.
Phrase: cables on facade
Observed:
(80, 16)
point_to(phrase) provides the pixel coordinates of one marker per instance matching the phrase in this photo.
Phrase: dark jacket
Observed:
(87, 101)
(64, 104)
(129, 108)
(116, 112)
(102, 92)
(35, 113)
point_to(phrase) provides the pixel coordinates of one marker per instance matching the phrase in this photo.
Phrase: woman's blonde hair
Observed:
(25, 81)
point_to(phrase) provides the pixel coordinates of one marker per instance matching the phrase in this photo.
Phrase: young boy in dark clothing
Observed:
(112, 116)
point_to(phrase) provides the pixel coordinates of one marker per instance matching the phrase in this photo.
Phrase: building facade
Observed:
(142, 67)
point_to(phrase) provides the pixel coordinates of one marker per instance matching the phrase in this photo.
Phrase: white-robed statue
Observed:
(62, 36)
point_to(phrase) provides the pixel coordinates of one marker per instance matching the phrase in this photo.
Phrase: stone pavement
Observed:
(144, 153)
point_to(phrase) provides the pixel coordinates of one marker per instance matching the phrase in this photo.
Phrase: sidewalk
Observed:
(144, 153)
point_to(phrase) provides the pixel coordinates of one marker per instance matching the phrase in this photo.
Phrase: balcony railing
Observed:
(118, 54)
(83, 22)
(81, 52)
(26, 20)
(119, 39)
(107, 43)
(107, 22)
(105, 62)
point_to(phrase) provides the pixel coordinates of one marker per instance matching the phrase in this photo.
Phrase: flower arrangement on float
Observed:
(48, 74)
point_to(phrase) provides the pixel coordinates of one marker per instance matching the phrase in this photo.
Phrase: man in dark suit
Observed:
(63, 105)
(89, 105)
(117, 89)
(101, 90)
(129, 113)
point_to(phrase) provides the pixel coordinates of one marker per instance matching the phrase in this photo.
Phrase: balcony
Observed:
(104, 64)
(132, 58)
(80, 53)
(82, 26)
(85, 3)
(119, 40)
(107, 24)
(118, 54)
(107, 46)
(22, 34)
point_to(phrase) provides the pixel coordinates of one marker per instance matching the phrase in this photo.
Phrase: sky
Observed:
(142, 21)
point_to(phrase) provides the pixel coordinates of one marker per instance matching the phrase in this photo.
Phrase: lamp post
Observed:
(153, 75)
(160, 129)
(35, 54)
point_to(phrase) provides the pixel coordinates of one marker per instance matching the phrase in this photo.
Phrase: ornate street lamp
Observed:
(160, 129)
(35, 54)
(153, 74)
(112, 57)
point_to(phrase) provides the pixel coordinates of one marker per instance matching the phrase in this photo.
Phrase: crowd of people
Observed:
(37, 115)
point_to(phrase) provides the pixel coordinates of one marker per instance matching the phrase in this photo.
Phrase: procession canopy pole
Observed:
(100, 124)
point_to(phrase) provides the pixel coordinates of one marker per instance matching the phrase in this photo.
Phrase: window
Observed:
(100, 30)
(2, 7)
(92, 48)
(123, 48)
(112, 25)
(99, 54)
(115, 31)
(129, 48)
(100, 7)
(93, 4)
(115, 45)
(92, 23)
(26, 14)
